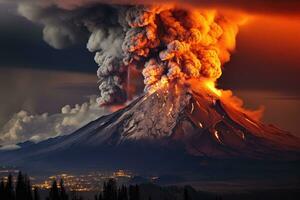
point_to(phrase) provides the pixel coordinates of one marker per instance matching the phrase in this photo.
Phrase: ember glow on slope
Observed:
(66, 5)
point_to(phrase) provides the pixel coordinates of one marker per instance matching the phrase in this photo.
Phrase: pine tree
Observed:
(9, 193)
(122, 193)
(28, 188)
(137, 192)
(186, 194)
(100, 196)
(134, 193)
(20, 187)
(218, 198)
(110, 190)
(74, 196)
(54, 193)
(36, 195)
(63, 194)
(119, 194)
(131, 192)
(2, 188)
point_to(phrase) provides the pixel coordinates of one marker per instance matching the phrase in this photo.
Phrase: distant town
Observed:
(85, 182)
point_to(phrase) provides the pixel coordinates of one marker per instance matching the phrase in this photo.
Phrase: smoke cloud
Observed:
(23, 126)
(165, 43)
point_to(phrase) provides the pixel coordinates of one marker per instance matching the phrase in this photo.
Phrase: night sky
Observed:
(264, 69)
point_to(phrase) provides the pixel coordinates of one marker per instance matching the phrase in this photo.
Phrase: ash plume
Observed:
(163, 42)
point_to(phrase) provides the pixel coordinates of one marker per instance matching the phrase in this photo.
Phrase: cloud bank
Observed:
(26, 127)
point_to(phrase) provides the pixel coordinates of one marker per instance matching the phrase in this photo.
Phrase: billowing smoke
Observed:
(165, 43)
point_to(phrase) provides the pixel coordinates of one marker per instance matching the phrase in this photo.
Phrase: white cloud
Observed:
(9, 147)
(23, 126)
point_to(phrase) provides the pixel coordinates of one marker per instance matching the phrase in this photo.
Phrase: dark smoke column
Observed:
(127, 43)
(165, 43)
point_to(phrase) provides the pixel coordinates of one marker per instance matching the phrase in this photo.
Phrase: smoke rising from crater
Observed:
(163, 42)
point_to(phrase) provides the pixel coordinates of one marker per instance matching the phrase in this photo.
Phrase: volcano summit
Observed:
(173, 126)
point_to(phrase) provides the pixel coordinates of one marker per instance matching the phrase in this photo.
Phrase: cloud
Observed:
(61, 28)
(9, 147)
(23, 126)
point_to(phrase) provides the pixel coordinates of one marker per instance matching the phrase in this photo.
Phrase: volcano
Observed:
(160, 130)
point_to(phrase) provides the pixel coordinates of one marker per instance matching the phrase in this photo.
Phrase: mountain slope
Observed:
(163, 129)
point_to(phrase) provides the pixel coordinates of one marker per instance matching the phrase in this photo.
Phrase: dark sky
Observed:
(267, 56)
(22, 45)
(264, 69)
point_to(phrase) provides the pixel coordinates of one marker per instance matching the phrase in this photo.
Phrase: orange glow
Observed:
(114, 108)
(208, 87)
(237, 103)
(163, 83)
(212, 87)
(204, 86)
(272, 36)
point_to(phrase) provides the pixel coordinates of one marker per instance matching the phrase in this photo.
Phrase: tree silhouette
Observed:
(23, 187)
(110, 190)
(63, 194)
(74, 196)
(134, 193)
(28, 188)
(122, 193)
(20, 187)
(186, 193)
(2, 188)
(54, 193)
(36, 195)
(100, 196)
(9, 193)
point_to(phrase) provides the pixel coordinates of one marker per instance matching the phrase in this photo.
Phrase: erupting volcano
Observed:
(180, 53)
(167, 45)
